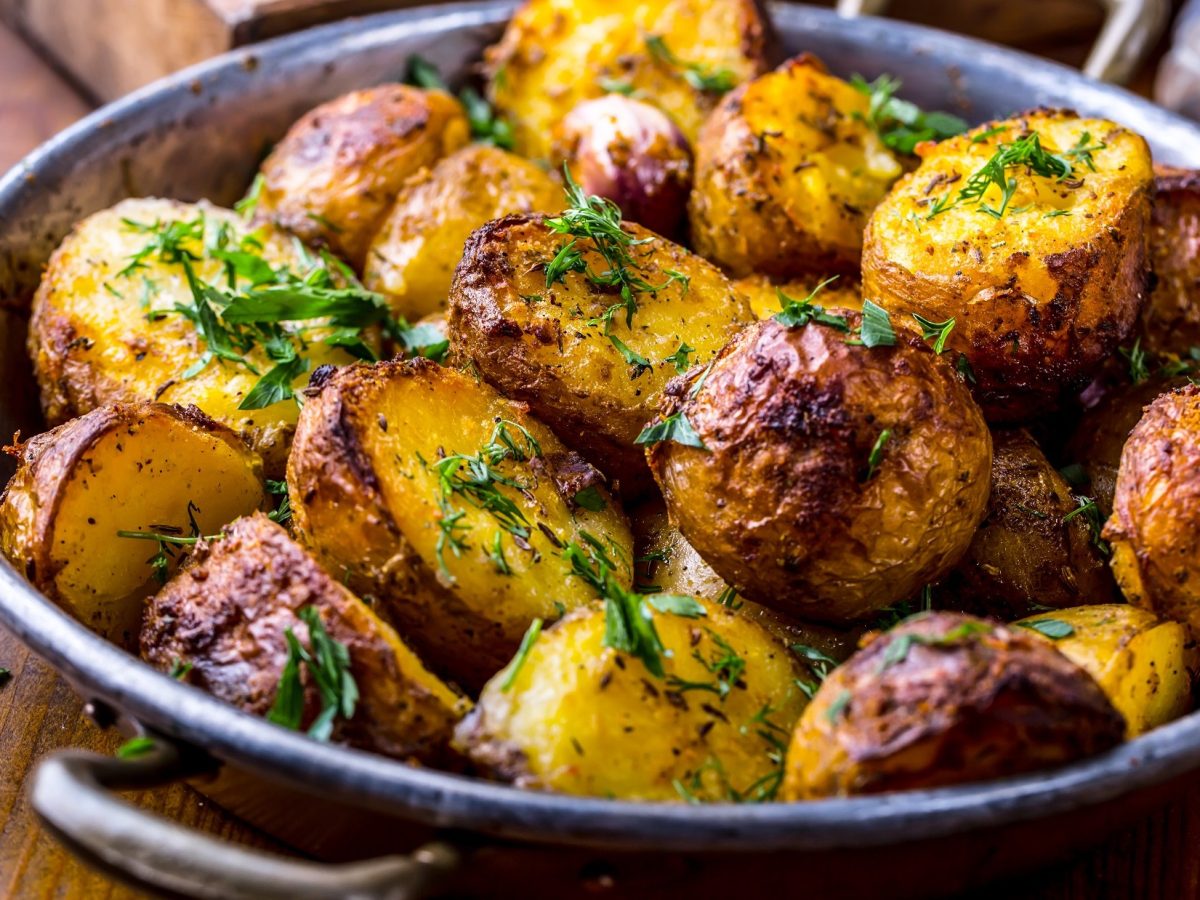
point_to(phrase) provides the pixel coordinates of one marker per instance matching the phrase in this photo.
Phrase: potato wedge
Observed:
(1045, 278)
(1171, 319)
(763, 293)
(223, 621)
(557, 53)
(415, 252)
(141, 467)
(335, 174)
(595, 384)
(449, 506)
(1143, 664)
(945, 699)
(787, 172)
(576, 716)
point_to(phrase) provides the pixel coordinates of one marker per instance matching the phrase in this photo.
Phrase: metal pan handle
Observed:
(71, 793)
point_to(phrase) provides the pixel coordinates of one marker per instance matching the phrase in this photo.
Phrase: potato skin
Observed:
(969, 700)
(1039, 302)
(581, 718)
(414, 254)
(1024, 556)
(545, 346)
(91, 347)
(763, 293)
(334, 176)
(556, 53)
(1143, 664)
(780, 504)
(368, 507)
(226, 614)
(1155, 526)
(1171, 319)
(787, 171)
(132, 467)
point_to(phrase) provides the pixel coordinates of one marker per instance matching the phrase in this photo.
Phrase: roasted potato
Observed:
(223, 621)
(575, 715)
(631, 153)
(677, 54)
(1155, 526)
(834, 479)
(944, 699)
(105, 326)
(596, 383)
(138, 467)
(763, 293)
(414, 253)
(787, 171)
(1171, 319)
(1038, 545)
(1043, 278)
(334, 176)
(1142, 663)
(449, 506)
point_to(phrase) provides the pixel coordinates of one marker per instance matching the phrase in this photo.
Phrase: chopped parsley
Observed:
(282, 513)
(487, 127)
(527, 642)
(708, 79)
(1055, 629)
(135, 747)
(1139, 366)
(902, 125)
(1091, 514)
(818, 662)
(590, 499)
(676, 428)
(680, 357)
(328, 664)
(876, 455)
(876, 330)
(638, 363)
(798, 313)
(935, 331)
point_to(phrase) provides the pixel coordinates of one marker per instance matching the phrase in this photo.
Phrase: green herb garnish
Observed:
(935, 331)
(876, 329)
(680, 357)
(703, 78)
(1095, 521)
(527, 642)
(676, 427)
(902, 125)
(135, 747)
(328, 664)
(876, 455)
(1055, 629)
(798, 313)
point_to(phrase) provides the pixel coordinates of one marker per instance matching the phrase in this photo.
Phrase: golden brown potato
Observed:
(1043, 279)
(414, 253)
(448, 505)
(763, 293)
(576, 716)
(835, 479)
(787, 172)
(223, 620)
(139, 467)
(105, 327)
(1036, 547)
(596, 385)
(1155, 525)
(557, 53)
(1143, 664)
(334, 176)
(944, 699)
(1171, 319)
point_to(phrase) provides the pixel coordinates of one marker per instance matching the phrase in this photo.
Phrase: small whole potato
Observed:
(335, 174)
(631, 153)
(1171, 319)
(945, 699)
(1155, 526)
(834, 479)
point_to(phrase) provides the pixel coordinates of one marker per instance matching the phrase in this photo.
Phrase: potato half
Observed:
(223, 620)
(1171, 319)
(1155, 525)
(1044, 285)
(835, 479)
(144, 467)
(1142, 663)
(843, 292)
(333, 177)
(461, 569)
(549, 346)
(944, 699)
(414, 253)
(787, 172)
(556, 53)
(576, 716)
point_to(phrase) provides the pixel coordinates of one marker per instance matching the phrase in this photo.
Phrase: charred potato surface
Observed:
(549, 346)
(1142, 663)
(944, 699)
(787, 171)
(449, 505)
(226, 613)
(1171, 319)
(335, 174)
(1043, 289)
(414, 254)
(557, 53)
(579, 717)
(127, 467)
(835, 479)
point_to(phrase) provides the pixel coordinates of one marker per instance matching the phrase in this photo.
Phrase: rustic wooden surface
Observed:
(1159, 858)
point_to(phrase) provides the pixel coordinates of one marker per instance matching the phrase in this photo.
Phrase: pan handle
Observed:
(71, 792)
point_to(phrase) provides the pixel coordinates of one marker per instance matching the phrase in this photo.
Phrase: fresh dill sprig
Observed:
(708, 79)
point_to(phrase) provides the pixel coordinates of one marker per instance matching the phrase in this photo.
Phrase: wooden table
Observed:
(1159, 858)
